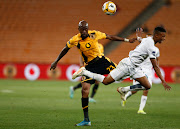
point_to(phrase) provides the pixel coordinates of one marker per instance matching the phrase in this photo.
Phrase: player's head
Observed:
(159, 34)
(83, 29)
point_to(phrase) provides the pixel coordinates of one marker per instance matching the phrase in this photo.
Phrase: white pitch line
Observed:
(7, 91)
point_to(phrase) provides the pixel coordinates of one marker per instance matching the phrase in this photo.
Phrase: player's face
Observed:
(83, 31)
(160, 37)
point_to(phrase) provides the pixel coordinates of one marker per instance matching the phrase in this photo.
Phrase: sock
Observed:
(137, 87)
(94, 90)
(143, 102)
(85, 102)
(77, 86)
(128, 94)
(95, 76)
(133, 88)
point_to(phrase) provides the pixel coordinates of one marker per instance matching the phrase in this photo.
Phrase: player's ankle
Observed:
(86, 119)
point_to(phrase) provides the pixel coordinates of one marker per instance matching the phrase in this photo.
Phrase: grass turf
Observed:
(47, 105)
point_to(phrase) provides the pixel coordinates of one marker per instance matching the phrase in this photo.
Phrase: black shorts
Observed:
(99, 65)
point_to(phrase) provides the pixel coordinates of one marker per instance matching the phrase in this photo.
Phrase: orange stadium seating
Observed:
(169, 17)
(37, 30)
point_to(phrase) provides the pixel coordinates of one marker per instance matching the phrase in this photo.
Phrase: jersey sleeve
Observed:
(151, 50)
(157, 52)
(100, 35)
(71, 43)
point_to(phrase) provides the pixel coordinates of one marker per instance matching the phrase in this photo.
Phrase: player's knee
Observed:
(145, 92)
(85, 91)
(105, 83)
(147, 88)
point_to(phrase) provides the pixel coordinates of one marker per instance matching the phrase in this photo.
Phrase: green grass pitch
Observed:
(46, 105)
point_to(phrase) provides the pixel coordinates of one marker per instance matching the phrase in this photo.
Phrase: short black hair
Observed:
(159, 29)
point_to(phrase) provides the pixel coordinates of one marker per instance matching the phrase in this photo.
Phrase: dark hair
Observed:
(159, 29)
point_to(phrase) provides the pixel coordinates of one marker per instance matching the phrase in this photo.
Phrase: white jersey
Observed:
(144, 50)
(147, 65)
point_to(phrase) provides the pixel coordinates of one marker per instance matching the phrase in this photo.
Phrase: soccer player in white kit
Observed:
(131, 66)
(147, 69)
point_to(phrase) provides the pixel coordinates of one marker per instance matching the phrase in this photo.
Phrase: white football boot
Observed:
(122, 93)
(78, 73)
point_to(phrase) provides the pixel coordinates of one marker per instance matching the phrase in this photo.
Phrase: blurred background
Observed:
(33, 33)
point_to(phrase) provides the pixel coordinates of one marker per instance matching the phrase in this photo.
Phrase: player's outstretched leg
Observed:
(144, 85)
(83, 71)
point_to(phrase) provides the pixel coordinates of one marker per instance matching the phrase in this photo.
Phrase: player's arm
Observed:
(62, 53)
(157, 59)
(158, 72)
(116, 38)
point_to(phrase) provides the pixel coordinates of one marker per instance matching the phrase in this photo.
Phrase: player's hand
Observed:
(166, 86)
(139, 32)
(53, 65)
(132, 40)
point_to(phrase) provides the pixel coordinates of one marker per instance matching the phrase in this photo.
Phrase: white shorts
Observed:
(126, 69)
(148, 75)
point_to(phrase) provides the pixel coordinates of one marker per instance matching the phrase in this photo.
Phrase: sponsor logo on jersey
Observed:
(154, 53)
(88, 45)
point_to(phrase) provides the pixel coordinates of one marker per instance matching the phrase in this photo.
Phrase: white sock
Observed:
(128, 94)
(143, 102)
(95, 76)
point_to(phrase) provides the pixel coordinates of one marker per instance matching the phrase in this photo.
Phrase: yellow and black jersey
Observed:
(101, 48)
(88, 47)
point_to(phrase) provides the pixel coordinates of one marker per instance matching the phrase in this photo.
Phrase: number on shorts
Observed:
(110, 68)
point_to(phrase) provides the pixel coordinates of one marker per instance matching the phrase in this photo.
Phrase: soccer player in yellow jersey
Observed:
(79, 85)
(87, 43)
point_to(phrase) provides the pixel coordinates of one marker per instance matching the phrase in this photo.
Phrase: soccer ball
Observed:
(109, 8)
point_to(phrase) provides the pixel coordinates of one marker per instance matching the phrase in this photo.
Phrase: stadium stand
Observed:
(36, 31)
